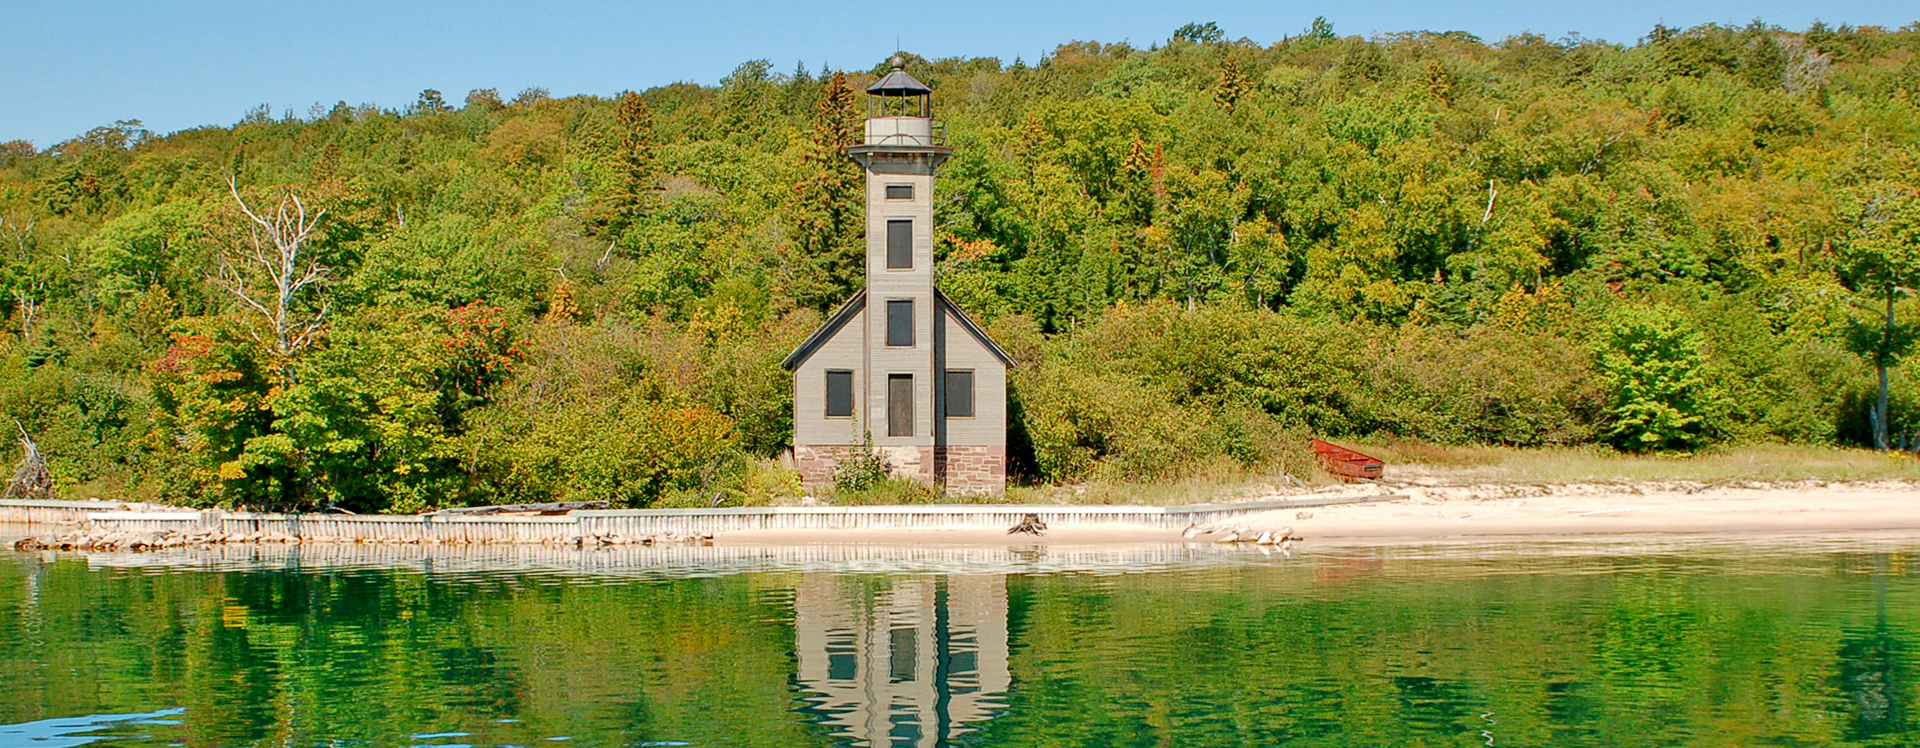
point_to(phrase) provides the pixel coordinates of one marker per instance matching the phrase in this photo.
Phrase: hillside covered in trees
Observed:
(1198, 252)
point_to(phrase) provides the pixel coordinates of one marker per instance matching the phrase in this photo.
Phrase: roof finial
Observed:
(899, 61)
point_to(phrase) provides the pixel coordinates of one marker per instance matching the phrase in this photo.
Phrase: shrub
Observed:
(766, 481)
(886, 490)
(1081, 422)
(1486, 384)
(1652, 358)
(1154, 392)
(860, 471)
(1301, 371)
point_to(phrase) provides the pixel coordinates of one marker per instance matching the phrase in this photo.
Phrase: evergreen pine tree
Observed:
(1234, 83)
(638, 186)
(828, 209)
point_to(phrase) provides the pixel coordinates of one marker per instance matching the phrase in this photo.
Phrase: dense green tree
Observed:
(1663, 393)
(1199, 33)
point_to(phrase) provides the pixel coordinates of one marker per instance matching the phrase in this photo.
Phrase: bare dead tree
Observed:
(605, 257)
(273, 252)
(1492, 195)
(28, 308)
(32, 479)
(22, 233)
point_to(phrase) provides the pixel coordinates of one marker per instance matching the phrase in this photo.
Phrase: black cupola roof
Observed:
(898, 83)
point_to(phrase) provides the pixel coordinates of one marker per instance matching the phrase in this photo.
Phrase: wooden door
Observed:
(899, 405)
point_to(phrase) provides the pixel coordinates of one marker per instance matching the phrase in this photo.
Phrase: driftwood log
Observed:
(1030, 525)
(551, 507)
(32, 479)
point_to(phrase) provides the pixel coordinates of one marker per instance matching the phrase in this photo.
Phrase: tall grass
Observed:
(1431, 463)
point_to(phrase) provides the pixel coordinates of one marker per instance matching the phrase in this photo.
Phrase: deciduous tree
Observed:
(1882, 265)
(1662, 392)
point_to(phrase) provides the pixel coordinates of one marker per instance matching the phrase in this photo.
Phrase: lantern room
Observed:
(900, 110)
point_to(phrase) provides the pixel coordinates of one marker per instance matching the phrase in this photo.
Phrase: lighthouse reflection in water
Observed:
(913, 661)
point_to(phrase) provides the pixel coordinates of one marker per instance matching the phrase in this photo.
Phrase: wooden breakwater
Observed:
(53, 512)
(629, 525)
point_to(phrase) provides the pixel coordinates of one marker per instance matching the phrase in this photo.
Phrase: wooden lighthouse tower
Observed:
(899, 369)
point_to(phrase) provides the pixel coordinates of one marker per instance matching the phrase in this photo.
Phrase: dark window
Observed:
(841, 664)
(960, 665)
(899, 405)
(899, 244)
(899, 192)
(960, 393)
(906, 729)
(839, 393)
(900, 322)
(903, 659)
(842, 667)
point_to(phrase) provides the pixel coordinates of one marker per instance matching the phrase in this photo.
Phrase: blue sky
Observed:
(68, 66)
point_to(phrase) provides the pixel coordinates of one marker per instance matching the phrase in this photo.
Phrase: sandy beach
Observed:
(1610, 509)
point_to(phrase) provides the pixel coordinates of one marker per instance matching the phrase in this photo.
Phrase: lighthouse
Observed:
(899, 371)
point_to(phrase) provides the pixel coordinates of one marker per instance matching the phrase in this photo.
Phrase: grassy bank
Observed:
(1429, 463)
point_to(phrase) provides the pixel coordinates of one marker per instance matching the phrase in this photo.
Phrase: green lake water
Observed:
(1768, 641)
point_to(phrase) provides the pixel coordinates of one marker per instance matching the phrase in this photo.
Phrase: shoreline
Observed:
(1490, 511)
(1433, 512)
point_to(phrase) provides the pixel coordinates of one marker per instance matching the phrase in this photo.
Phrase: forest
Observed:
(1199, 252)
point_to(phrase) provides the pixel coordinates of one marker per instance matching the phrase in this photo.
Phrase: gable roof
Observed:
(857, 302)
(967, 322)
(826, 331)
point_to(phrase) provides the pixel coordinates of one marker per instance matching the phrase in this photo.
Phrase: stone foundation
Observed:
(963, 471)
(912, 463)
(816, 463)
(972, 470)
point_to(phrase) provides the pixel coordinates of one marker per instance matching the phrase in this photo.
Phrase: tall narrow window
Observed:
(899, 245)
(900, 322)
(901, 661)
(960, 393)
(899, 192)
(899, 405)
(839, 394)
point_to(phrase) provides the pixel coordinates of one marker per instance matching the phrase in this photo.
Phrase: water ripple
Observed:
(63, 732)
